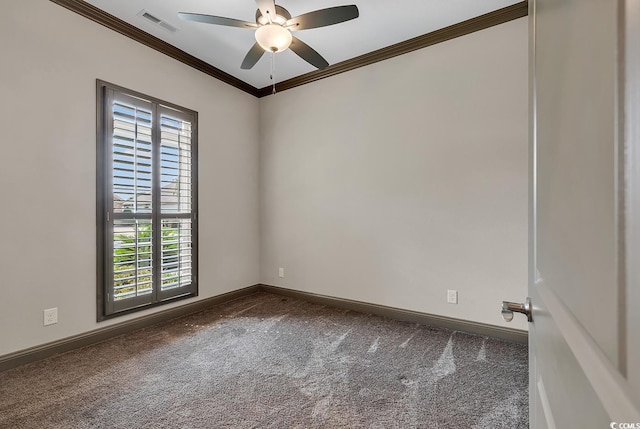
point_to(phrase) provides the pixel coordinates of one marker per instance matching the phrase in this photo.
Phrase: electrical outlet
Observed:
(50, 316)
(281, 272)
(452, 296)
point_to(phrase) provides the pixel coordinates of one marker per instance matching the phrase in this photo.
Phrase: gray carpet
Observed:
(265, 361)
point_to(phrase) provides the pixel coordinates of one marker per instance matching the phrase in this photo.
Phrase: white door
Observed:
(580, 373)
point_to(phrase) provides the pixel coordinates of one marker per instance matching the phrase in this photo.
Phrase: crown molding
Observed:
(116, 24)
(500, 16)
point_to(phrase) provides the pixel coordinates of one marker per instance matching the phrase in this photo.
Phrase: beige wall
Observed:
(388, 184)
(392, 183)
(51, 58)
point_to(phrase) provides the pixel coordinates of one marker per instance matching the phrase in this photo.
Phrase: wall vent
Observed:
(157, 21)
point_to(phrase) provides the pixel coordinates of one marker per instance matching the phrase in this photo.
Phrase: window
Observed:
(147, 201)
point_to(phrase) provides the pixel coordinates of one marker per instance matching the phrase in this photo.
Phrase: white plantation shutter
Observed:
(131, 148)
(176, 201)
(176, 253)
(147, 201)
(175, 165)
(132, 259)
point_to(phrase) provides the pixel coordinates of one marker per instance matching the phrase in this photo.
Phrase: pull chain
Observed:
(273, 71)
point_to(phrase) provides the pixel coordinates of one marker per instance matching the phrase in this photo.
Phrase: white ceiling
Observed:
(381, 23)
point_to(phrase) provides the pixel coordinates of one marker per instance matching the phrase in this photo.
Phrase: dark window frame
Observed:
(105, 93)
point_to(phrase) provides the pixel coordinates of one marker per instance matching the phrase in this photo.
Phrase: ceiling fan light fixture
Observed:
(273, 37)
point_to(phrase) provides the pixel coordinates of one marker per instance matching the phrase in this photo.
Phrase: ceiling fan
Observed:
(273, 28)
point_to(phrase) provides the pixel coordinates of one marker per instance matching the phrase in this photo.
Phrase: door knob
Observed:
(509, 307)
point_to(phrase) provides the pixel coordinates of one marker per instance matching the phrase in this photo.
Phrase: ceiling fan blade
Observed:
(307, 53)
(254, 54)
(267, 8)
(218, 20)
(323, 17)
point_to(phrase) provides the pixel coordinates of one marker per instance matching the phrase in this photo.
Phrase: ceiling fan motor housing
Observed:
(282, 16)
